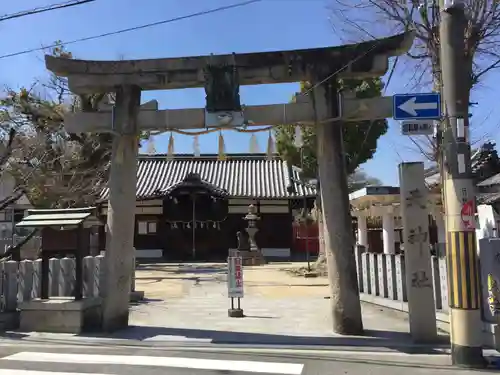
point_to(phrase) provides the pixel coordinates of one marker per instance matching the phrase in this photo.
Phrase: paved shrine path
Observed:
(189, 302)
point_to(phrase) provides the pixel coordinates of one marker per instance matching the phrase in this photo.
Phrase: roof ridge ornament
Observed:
(192, 177)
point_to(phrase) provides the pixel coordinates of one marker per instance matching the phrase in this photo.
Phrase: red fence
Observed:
(305, 237)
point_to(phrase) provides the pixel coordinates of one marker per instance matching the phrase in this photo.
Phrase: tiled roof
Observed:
(488, 198)
(493, 180)
(479, 158)
(241, 175)
(193, 180)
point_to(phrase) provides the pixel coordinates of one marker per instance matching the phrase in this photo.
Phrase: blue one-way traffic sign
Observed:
(416, 106)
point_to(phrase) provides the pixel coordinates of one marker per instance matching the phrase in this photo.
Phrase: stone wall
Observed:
(382, 281)
(384, 276)
(21, 281)
(380, 275)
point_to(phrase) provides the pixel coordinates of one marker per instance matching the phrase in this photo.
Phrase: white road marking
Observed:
(221, 349)
(28, 372)
(224, 349)
(177, 362)
(167, 338)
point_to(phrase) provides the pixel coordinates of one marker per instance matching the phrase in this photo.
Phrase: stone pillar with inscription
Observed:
(421, 306)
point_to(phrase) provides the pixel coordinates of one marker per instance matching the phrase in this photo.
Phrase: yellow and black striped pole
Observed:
(463, 272)
(459, 195)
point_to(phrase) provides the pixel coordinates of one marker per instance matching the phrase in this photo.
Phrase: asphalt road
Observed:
(46, 359)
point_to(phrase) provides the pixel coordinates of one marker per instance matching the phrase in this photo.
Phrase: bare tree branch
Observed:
(482, 37)
(14, 252)
(54, 168)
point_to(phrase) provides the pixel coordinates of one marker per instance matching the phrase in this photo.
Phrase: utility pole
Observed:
(462, 262)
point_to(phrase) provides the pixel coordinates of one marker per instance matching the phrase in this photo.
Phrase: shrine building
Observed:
(191, 208)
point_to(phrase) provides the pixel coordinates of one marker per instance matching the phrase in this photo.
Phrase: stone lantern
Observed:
(254, 255)
(251, 219)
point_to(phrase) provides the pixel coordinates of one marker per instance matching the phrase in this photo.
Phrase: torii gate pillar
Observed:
(122, 189)
(337, 230)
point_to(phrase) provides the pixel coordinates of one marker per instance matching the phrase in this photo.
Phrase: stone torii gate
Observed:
(318, 66)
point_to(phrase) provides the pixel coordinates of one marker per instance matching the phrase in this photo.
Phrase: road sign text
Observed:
(417, 127)
(235, 277)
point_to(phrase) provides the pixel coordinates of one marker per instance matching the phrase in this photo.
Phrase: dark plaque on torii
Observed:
(222, 88)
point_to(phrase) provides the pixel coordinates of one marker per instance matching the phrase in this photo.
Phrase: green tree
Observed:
(360, 138)
(360, 143)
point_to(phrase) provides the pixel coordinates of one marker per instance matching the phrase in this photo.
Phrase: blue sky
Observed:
(266, 26)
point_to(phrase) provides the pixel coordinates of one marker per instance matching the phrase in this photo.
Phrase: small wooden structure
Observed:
(196, 202)
(64, 232)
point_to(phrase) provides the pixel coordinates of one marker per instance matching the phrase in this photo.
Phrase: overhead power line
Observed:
(135, 28)
(46, 8)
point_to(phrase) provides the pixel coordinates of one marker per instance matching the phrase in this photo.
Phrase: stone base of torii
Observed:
(322, 108)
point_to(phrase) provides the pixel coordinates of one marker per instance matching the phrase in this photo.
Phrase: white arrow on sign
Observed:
(411, 107)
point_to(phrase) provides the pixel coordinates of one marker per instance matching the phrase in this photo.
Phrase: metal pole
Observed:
(307, 249)
(462, 262)
(193, 228)
(305, 214)
(13, 227)
(132, 283)
(78, 292)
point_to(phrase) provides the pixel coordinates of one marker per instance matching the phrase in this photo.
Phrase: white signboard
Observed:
(417, 127)
(226, 119)
(235, 277)
(489, 258)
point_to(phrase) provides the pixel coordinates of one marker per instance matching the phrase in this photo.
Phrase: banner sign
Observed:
(467, 214)
(235, 277)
